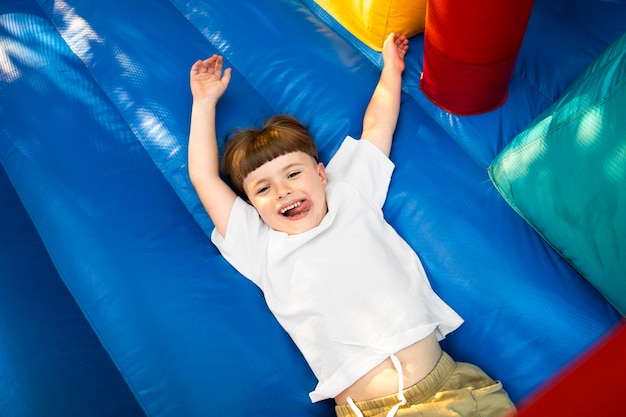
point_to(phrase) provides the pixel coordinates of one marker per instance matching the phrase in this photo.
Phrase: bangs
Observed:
(264, 148)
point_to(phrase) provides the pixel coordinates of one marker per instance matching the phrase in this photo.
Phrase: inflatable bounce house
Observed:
(510, 158)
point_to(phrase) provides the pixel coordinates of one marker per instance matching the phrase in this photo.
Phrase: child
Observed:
(347, 288)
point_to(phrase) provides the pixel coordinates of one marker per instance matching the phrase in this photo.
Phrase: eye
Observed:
(262, 189)
(293, 174)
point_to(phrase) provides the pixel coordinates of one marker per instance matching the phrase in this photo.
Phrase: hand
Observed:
(395, 48)
(206, 79)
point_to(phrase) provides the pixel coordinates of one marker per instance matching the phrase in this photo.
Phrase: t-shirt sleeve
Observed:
(364, 166)
(246, 236)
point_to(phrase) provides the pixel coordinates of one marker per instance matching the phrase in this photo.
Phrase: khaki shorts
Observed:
(450, 389)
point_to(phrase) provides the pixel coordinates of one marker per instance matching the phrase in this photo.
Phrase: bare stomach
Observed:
(417, 361)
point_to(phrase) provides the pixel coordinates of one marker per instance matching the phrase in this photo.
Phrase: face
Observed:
(289, 192)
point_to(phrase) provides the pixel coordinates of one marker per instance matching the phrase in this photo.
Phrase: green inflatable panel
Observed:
(566, 174)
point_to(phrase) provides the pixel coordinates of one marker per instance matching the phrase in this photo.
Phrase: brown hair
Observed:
(248, 149)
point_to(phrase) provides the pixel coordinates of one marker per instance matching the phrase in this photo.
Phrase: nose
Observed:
(282, 190)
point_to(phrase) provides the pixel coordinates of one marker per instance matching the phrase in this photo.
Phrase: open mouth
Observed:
(294, 210)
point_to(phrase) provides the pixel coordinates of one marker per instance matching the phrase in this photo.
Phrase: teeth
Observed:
(293, 206)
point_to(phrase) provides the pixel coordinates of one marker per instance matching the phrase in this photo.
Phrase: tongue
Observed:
(297, 210)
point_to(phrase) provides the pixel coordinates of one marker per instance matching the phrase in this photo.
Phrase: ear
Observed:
(322, 173)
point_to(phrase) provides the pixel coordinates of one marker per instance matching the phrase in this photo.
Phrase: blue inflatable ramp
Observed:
(94, 120)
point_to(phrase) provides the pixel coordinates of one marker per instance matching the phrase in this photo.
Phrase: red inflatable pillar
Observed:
(470, 48)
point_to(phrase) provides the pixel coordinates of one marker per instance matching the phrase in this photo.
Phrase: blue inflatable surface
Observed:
(51, 362)
(94, 118)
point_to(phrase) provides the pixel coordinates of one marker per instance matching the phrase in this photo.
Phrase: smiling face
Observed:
(289, 192)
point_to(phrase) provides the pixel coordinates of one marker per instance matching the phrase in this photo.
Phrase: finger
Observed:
(196, 66)
(201, 66)
(226, 76)
(209, 63)
(218, 64)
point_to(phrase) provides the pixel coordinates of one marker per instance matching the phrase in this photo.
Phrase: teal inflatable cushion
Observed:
(566, 174)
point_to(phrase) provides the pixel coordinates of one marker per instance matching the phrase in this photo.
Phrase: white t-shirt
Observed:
(350, 292)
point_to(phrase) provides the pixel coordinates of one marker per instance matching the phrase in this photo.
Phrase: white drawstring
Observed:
(354, 408)
(401, 398)
(398, 366)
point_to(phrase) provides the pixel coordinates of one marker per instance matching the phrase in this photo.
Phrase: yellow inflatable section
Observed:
(371, 20)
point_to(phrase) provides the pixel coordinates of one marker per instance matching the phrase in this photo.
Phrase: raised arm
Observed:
(208, 84)
(381, 115)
